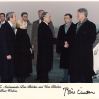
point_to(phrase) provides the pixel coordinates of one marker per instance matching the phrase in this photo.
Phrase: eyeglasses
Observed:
(25, 16)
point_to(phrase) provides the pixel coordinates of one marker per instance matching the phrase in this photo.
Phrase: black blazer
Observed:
(65, 52)
(82, 50)
(65, 36)
(45, 47)
(7, 38)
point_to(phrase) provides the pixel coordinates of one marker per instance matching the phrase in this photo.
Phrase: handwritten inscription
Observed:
(66, 90)
(69, 91)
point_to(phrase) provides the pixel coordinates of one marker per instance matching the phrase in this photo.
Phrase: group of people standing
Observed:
(74, 44)
(15, 48)
(77, 59)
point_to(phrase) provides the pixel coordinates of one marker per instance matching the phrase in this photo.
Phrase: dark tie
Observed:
(78, 26)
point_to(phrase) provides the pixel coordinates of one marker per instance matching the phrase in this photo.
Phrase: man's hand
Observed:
(31, 50)
(66, 45)
(9, 57)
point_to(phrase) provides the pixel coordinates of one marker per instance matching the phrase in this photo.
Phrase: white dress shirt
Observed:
(10, 23)
(39, 21)
(2, 23)
(45, 22)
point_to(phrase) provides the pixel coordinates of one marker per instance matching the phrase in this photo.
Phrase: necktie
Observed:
(13, 28)
(78, 26)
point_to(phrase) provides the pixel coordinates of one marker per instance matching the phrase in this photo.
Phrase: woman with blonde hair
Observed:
(23, 61)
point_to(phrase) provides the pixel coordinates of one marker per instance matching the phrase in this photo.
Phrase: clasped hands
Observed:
(9, 57)
(66, 45)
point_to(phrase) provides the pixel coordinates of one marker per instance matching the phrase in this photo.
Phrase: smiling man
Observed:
(81, 66)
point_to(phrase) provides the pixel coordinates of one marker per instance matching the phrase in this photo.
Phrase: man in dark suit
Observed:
(7, 38)
(65, 33)
(45, 47)
(81, 65)
(2, 19)
(34, 38)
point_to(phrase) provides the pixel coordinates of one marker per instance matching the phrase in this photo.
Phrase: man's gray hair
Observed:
(43, 15)
(83, 10)
(9, 15)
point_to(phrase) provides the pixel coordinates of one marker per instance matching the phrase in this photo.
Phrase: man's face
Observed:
(47, 18)
(25, 17)
(39, 14)
(80, 16)
(13, 20)
(2, 17)
(67, 19)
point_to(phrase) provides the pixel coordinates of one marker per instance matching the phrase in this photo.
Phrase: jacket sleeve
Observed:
(54, 40)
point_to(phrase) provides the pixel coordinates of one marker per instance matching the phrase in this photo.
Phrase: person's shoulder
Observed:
(28, 22)
(90, 23)
(62, 25)
(43, 25)
(51, 22)
(73, 25)
(37, 21)
(6, 24)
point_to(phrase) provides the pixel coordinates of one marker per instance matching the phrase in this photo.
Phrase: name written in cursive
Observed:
(69, 91)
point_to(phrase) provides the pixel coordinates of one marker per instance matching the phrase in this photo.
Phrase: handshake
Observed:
(66, 45)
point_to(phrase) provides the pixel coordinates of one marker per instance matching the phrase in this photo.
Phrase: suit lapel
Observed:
(69, 28)
(80, 28)
(37, 23)
(10, 27)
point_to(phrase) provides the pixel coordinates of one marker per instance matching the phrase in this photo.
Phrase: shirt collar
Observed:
(45, 22)
(39, 21)
(83, 20)
(10, 23)
(3, 22)
(68, 24)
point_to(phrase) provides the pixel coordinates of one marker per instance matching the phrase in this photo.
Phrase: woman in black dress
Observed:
(23, 60)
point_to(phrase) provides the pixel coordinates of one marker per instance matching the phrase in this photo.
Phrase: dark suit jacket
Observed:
(45, 47)
(34, 37)
(7, 39)
(82, 50)
(65, 52)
